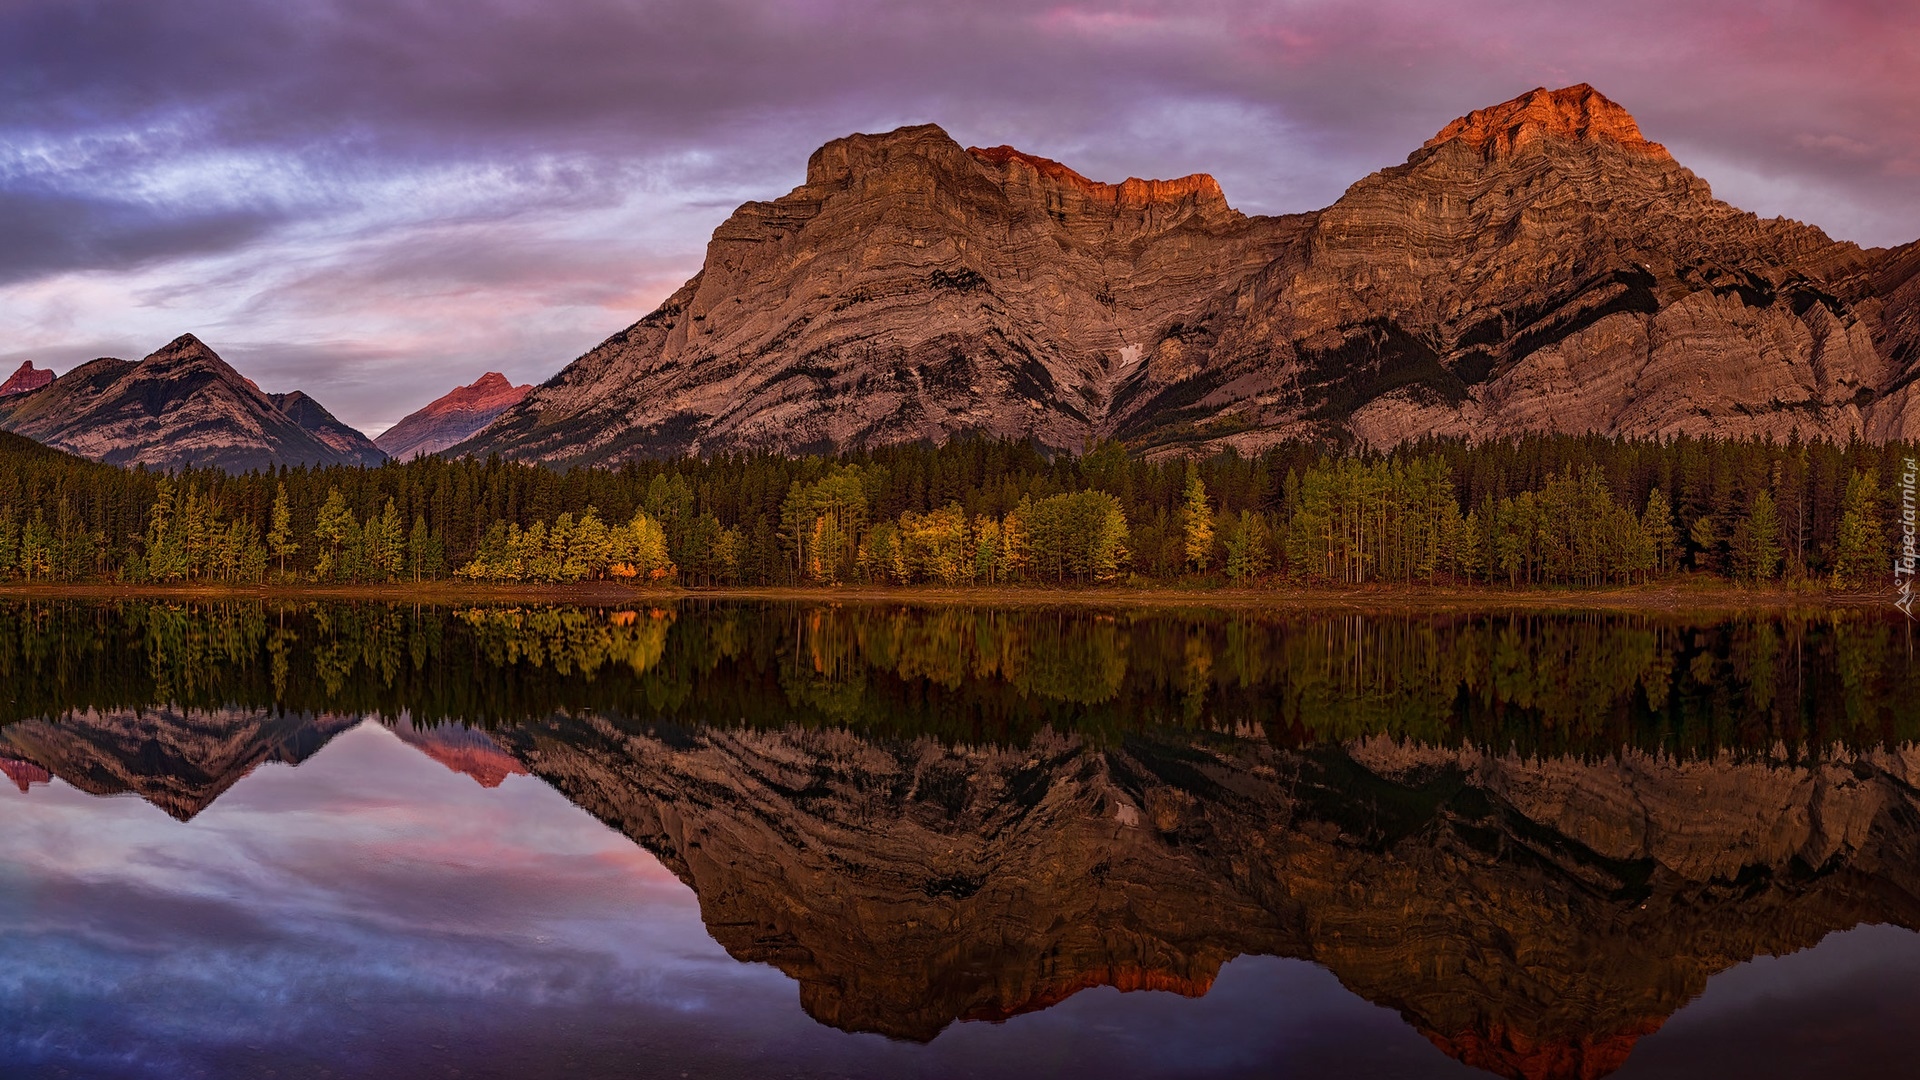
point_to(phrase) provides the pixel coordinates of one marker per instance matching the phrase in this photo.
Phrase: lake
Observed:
(731, 839)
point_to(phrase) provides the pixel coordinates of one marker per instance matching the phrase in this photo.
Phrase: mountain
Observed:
(183, 405)
(1536, 266)
(24, 379)
(451, 419)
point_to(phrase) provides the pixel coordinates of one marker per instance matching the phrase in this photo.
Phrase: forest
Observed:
(1532, 511)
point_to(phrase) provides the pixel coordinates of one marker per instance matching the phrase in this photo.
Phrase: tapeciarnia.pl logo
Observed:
(1905, 562)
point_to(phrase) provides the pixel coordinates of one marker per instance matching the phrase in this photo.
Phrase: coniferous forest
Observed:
(1536, 511)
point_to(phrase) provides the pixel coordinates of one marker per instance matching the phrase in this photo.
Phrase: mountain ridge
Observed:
(1538, 265)
(181, 405)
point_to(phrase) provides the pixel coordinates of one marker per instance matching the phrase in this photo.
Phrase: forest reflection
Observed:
(1546, 683)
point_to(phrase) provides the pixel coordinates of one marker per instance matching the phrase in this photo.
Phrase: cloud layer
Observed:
(374, 200)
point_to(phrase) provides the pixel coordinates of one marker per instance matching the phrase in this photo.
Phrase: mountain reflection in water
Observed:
(1535, 837)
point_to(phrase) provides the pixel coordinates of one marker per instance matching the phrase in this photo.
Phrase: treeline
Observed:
(1542, 510)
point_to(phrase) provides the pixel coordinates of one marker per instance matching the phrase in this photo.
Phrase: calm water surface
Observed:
(812, 841)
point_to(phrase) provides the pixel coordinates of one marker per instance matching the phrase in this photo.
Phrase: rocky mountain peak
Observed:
(1576, 113)
(186, 346)
(844, 162)
(186, 354)
(489, 391)
(451, 418)
(26, 378)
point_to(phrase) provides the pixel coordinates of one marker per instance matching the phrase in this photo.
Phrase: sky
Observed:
(377, 200)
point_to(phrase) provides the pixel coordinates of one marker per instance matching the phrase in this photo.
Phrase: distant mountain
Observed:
(25, 379)
(181, 406)
(1536, 266)
(451, 419)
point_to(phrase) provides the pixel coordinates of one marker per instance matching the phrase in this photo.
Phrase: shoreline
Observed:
(1672, 596)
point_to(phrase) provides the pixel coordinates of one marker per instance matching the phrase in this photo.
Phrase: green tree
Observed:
(425, 553)
(331, 530)
(1246, 544)
(1081, 536)
(823, 522)
(1755, 546)
(280, 542)
(384, 544)
(1861, 553)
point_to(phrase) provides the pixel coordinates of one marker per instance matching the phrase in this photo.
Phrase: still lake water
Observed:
(745, 840)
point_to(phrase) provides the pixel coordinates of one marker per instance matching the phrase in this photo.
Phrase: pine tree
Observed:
(384, 539)
(423, 550)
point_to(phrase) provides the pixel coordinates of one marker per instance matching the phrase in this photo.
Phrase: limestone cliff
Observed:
(910, 289)
(1536, 266)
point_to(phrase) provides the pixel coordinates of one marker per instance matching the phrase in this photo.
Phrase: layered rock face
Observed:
(1540, 266)
(25, 379)
(451, 419)
(1532, 917)
(182, 405)
(1536, 266)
